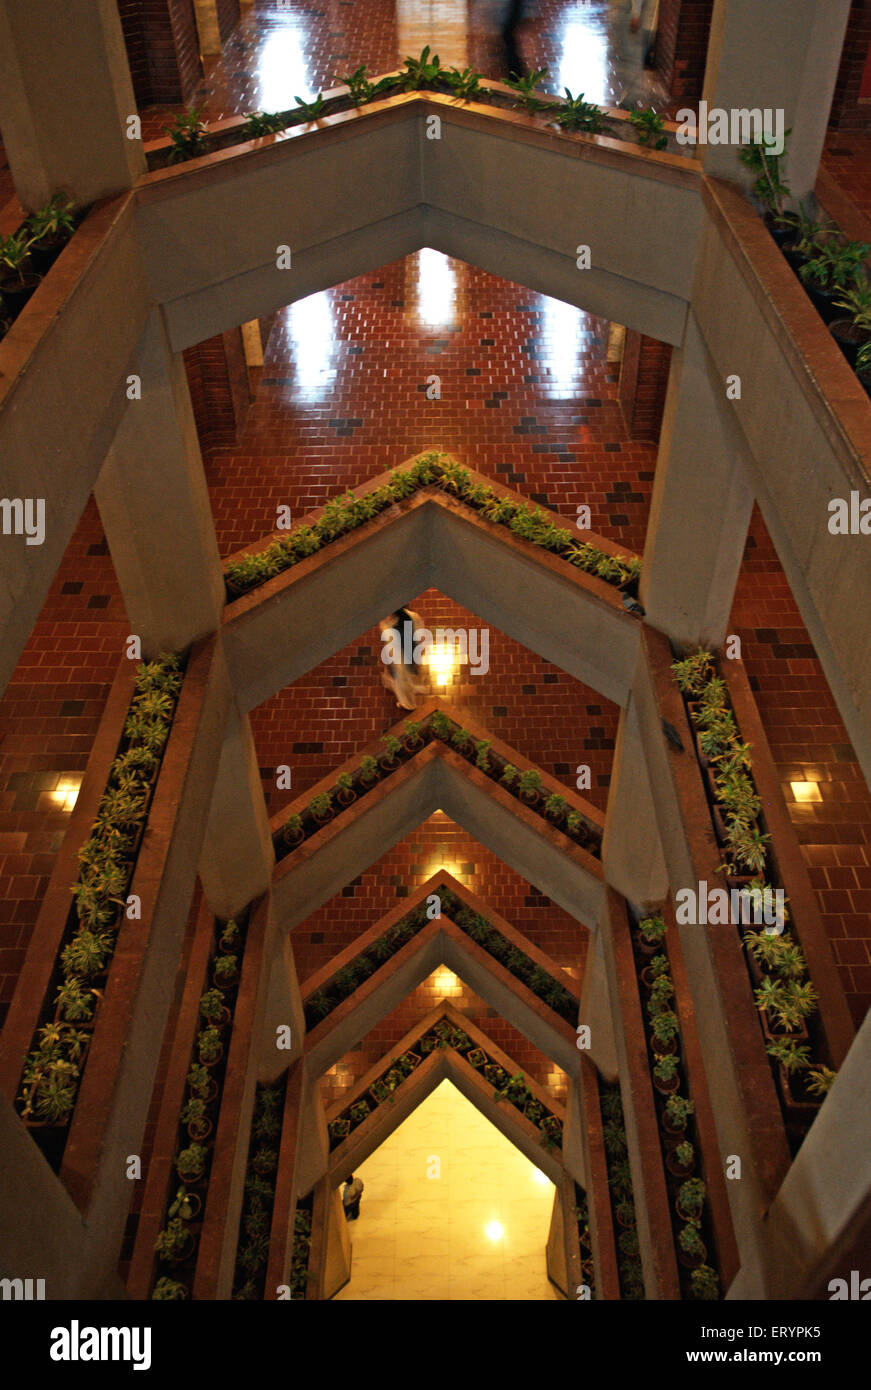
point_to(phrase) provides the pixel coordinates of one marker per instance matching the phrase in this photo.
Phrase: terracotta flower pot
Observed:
(345, 796)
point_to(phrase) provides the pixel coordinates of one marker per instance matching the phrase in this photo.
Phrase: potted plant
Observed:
(392, 748)
(496, 1075)
(368, 772)
(614, 1137)
(656, 966)
(407, 1062)
(169, 1289)
(784, 1005)
(190, 1163)
(267, 1125)
(681, 1160)
(320, 808)
(649, 126)
(412, 738)
(188, 136)
(555, 807)
(186, 1205)
(201, 1082)
(345, 793)
(87, 955)
(651, 930)
(213, 1009)
(529, 786)
(359, 1111)
(693, 1251)
(194, 1115)
(551, 1131)
(690, 1199)
(50, 229)
(339, 1129)
(676, 1114)
(210, 1049)
(291, 831)
(265, 1161)
(665, 1073)
(175, 1242)
(514, 1090)
(705, 1283)
(462, 740)
(509, 776)
(75, 1002)
(17, 282)
(477, 1058)
(224, 971)
(665, 1030)
(765, 161)
(833, 266)
(230, 938)
(624, 1211)
(627, 1242)
(440, 725)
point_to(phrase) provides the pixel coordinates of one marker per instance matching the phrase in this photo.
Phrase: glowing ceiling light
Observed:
(66, 793)
(806, 791)
(494, 1231)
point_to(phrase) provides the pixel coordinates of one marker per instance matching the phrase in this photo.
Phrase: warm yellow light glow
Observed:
(494, 1231)
(806, 791)
(446, 983)
(66, 793)
(442, 662)
(436, 287)
(540, 1177)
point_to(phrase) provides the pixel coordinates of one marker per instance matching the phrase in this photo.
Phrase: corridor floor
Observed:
(451, 1210)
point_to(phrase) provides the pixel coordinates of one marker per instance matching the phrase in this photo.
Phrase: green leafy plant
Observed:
(392, 747)
(74, 1001)
(509, 776)
(360, 86)
(678, 1110)
(14, 251)
(666, 1067)
(787, 1002)
(55, 219)
(226, 968)
(188, 135)
(761, 157)
(466, 84)
(527, 91)
(309, 110)
(482, 754)
(173, 1240)
(704, 1283)
(87, 954)
(693, 671)
(190, 1162)
(423, 73)
(368, 769)
(555, 805)
(690, 1240)
(665, 1026)
(320, 806)
(529, 783)
(788, 1053)
(212, 1005)
(691, 1196)
(652, 929)
(259, 123)
(199, 1079)
(685, 1153)
(209, 1045)
(577, 114)
(292, 828)
(166, 1290)
(649, 126)
(820, 1080)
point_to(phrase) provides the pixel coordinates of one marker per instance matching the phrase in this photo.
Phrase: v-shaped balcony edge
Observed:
(441, 942)
(429, 541)
(437, 779)
(444, 1064)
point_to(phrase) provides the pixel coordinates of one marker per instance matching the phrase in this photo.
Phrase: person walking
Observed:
(397, 652)
(351, 1194)
(511, 21)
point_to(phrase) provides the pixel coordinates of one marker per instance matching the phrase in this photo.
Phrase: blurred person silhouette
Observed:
(512, 17)
(400, 672)
(351, 1194)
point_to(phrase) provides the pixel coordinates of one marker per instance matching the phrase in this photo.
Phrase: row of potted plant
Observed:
(832, 268)
(445, 1034)
(347, 513)
(252, 1255)
(526, 784)
(190, 138)
(54, 1066)
(784, 995)
(29, 253)
(302, 1240)
(675, 1109)
(585, 1240)
(621, 1192)
(177, 1243)
(343, 984)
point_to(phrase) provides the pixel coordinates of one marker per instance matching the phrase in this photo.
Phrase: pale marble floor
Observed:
(432, 1191)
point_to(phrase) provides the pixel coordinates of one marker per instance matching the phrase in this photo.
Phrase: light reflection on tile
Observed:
(427, 1239)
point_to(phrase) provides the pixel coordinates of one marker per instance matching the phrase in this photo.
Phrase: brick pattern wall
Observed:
(162, 49)
(643, 384)
(228, 16)
(218, 381)
(439, 843)
(682, 46)
(849, 111)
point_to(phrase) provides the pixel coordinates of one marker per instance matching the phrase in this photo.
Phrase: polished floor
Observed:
(451, 1211)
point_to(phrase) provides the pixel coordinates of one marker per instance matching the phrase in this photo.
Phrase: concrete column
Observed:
(337, 1245)
(701, 504)
(283, 1008)
(237, 857)
(596, 1009)
(208, 27)
(782, 55)
(573, 1134)
(155, 507)
(65, 95)
(631, 848)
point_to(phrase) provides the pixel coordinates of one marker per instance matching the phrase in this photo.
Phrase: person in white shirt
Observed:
(351, 1194)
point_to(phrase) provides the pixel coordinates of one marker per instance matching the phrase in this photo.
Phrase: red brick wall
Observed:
(849, 111)
(643, 384)
(682, 45)
(218, 381)
(162, 49)
(228, 15)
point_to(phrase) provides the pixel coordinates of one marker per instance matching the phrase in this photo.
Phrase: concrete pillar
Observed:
(701, 505)
(337, 1245)
(573, 1134)
(65, 95)
(631, 848)
(155, 507)
(283, 1009)
(782, 55)
(237, 856)
(596, 1009)
(208, 27)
